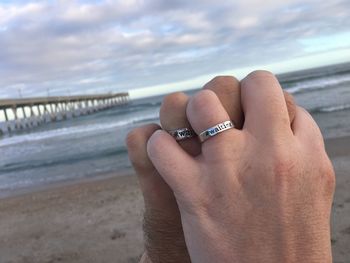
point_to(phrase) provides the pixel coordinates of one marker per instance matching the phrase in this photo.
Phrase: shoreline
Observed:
(99, 219)
(335, 147)
(63, 183)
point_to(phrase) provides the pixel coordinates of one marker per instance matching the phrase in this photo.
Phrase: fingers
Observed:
(152, 184)
(173, 109)
(136, 142)
(173, 116)
(171, 161)
(306, 130)
(204, 111)
(164, 240)
(228, 90)
(264, 105)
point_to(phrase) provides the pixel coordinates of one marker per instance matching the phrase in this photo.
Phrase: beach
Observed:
(94, 221)
(68, 192)
(101, 220)
(77, 77)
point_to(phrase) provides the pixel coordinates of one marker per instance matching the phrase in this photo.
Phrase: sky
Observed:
(73, 47)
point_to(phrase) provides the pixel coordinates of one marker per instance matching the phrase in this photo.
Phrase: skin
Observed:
(260, 194)
(162, 224)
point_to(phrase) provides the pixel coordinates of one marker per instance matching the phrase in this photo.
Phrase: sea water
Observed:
(93, 146)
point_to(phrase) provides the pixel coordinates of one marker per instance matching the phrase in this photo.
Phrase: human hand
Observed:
(260, 194)
(162, 224)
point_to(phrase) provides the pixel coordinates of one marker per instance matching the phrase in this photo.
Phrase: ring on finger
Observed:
(182, 134)
(215, 130)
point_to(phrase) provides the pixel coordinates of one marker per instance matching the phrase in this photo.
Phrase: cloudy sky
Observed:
(79, 47)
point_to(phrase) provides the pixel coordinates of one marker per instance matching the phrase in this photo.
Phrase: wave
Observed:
(333, 108)
(32, 164)
(317, 84)
(130, 108)
(38, 136)
(146, 104)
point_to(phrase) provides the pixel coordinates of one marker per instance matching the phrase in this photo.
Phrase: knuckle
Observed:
(133, 139)
(173, 100)
(258, 76)
(201, 99)
(136, 142)
(227, 89)
(137, 138)
(261, 74)
(222, 81)
(172, 112)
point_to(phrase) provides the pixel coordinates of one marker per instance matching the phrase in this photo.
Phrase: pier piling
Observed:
(31, 112)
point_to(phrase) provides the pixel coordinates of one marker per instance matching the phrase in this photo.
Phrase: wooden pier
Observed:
(26, 113)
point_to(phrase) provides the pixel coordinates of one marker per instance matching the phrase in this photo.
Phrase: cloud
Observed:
(99, 46)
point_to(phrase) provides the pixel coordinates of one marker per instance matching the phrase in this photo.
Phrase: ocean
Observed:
(93, 146)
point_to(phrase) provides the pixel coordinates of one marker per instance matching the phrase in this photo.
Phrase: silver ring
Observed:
(223, 126)
(182, 134)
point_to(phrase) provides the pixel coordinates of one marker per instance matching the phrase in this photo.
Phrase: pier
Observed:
(26, 113)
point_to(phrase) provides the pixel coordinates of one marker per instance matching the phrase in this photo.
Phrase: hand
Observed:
(162, 224)
(260, 194)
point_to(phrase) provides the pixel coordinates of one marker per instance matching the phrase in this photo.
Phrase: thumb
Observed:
(174, 164)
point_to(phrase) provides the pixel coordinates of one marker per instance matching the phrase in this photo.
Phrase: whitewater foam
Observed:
(61, 132)
(316, 84)
(335, 108)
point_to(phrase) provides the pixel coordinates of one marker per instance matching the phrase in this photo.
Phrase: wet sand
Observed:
(100, 221)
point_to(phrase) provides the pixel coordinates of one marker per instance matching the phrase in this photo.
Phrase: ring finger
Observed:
(173, 109)
(227, 89)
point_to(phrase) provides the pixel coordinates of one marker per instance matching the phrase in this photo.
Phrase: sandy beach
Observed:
(100, 220)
